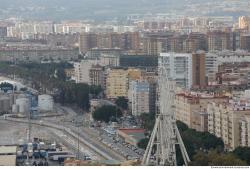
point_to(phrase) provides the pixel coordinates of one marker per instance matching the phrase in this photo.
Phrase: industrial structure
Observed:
(165, 135)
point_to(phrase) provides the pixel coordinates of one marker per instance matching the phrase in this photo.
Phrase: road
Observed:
(88, 134)
(83, 138)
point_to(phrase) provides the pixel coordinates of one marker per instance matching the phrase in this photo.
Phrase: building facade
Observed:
(117, 83)
(139, 97)
(179, 67)
(229, 121)
(97, 76)
(191, 109)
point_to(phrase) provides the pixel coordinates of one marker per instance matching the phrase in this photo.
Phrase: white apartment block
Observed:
(81, 71)
(179, 67)
(139, 97)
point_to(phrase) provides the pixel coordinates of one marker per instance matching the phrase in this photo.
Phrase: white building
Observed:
(82, 71)
(139, 97)
(45, 103)
(179, 67)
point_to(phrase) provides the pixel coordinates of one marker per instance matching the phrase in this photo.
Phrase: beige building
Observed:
(244, 22)
(117, 83)
(134, 74)
(131, 136)
(218, 40)
(191, 109)
(230, 121)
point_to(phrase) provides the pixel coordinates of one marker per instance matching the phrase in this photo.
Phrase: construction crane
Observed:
(161, 149)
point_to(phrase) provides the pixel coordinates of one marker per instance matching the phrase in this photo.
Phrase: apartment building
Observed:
(117, 83)
(191, 108)
(179, 67)
(97, 75)
(230, 121)
(82, 71)
(139, 97)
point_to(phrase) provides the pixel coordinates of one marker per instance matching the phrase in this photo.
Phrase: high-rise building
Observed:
(245, 42)
(195, 42)
(218, 40)
(130, 41)
(117, 83)
(244, 22)
(125, 41)
(97, 75)
(3, 31)
(245, 131)
(198, 69)
(156, 43)
(139, 97)
(152, 78)
(177, 43)
(179, 66)
(87, 41)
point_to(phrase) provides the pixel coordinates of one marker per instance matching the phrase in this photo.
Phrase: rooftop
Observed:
(8, 150)
(130, 131)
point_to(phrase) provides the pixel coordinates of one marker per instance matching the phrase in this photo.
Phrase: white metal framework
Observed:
(165, 135)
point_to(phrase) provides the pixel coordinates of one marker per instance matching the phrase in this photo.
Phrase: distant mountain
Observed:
(90, 9)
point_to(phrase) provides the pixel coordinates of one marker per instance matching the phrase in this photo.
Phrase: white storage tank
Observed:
(24, 105)
(15, 108)
(21, 96)
(45, 103)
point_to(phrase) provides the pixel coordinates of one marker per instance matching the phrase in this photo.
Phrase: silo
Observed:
(21, 96)
(4, 104)
(15, 108)
(45, 103)
(24, 105)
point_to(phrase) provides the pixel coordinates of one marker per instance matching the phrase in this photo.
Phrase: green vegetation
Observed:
(122, 102)
(71, 93)
(195, 141)
(143, 143)
(243, 153)
(51, 77)
(205, 149)
(6, 86)
(107, 113)
(95, 90)
(148, 121)
(214, 158)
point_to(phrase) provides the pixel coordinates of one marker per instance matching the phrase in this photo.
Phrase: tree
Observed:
(105, 113)
(6, 86)
(143, 143)
(214, 158)
(195, 141)
(243, 153)
(122, 102)
(148, 121)
(95, 90)
(181, 126)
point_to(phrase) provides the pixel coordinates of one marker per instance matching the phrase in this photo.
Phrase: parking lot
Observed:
(109, 137)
